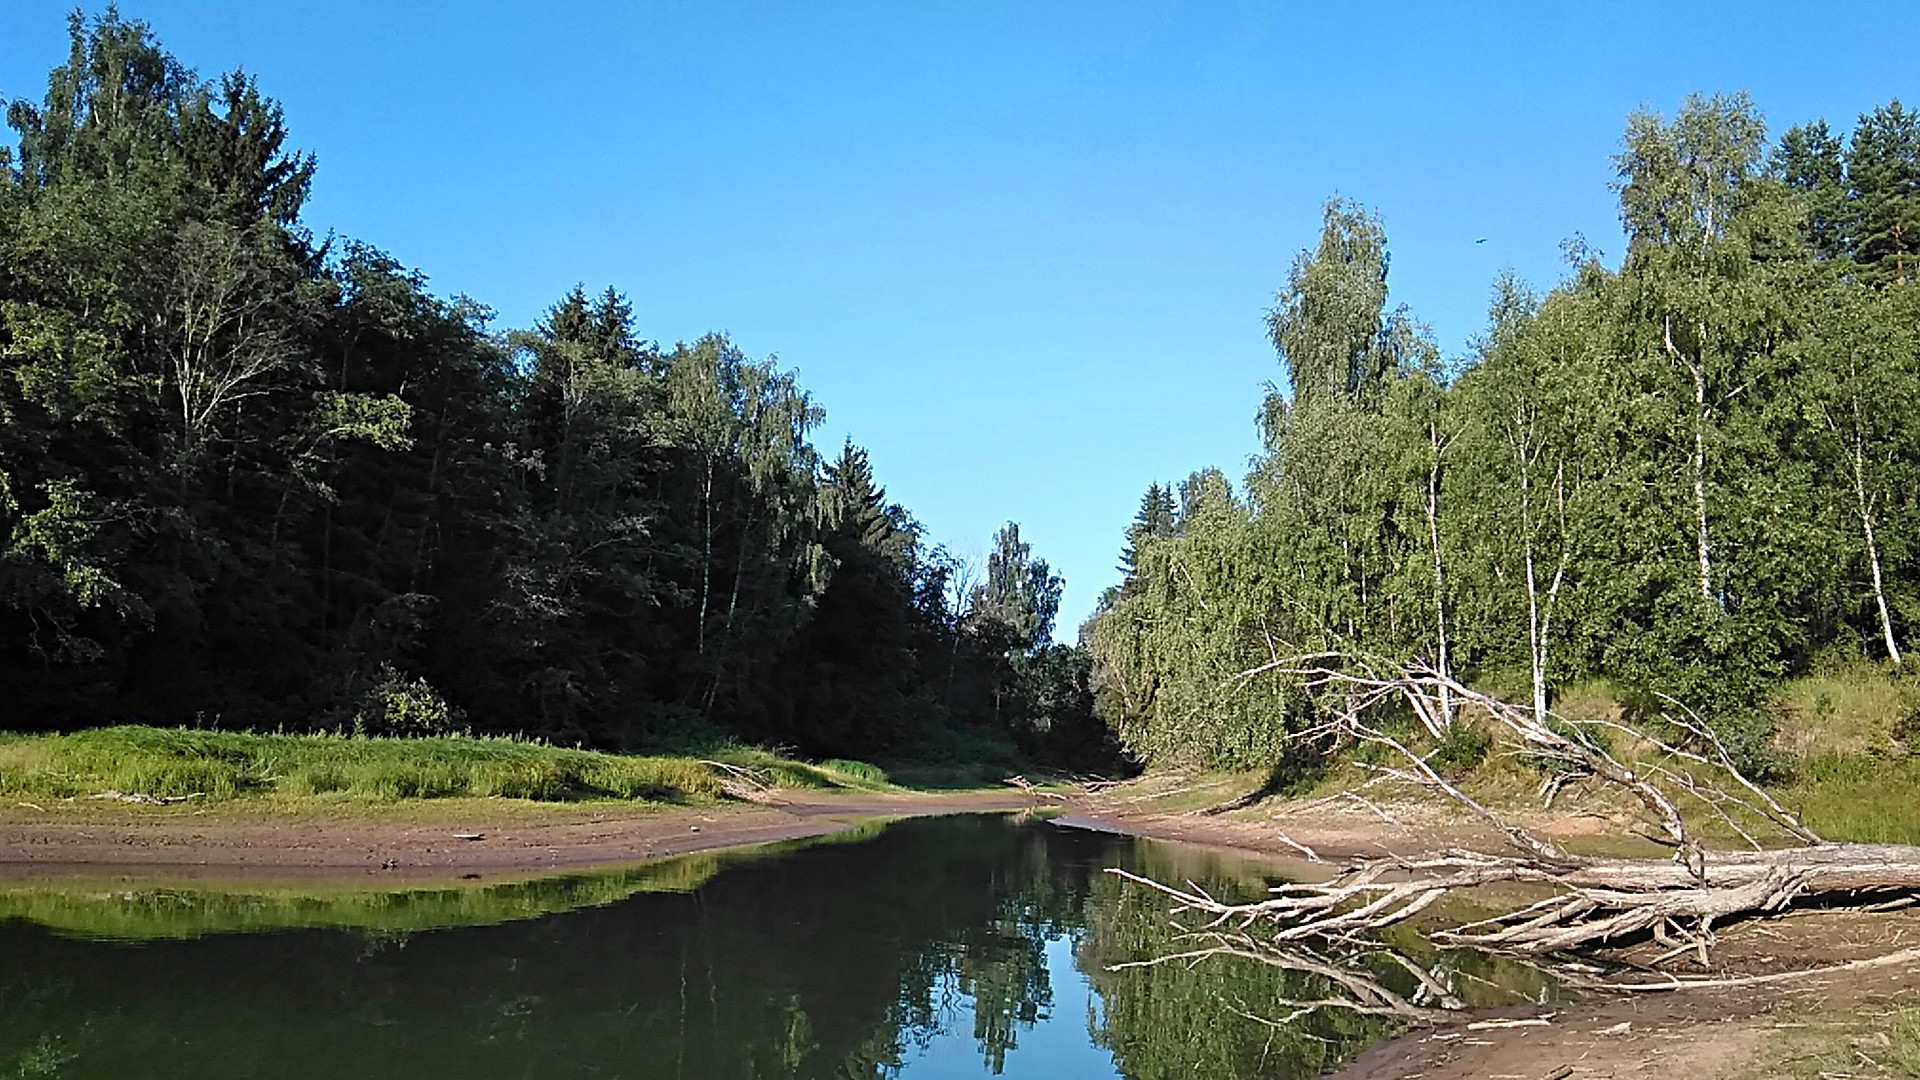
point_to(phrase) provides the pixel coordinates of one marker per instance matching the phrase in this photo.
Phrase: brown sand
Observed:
(427, 841)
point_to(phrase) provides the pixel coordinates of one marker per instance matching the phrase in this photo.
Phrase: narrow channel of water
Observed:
(958, 946)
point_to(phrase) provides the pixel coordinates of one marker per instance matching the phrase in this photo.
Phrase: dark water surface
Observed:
(937, 947)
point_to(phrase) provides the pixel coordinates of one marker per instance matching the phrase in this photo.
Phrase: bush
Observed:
(399, 706)
(1462, 746)
(859, 770)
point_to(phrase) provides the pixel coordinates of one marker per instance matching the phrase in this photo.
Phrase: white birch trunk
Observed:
(1700, 481)
(1873, 548)
(1439, 575)
(1544, 620)
(706, 557)
(1698, 369)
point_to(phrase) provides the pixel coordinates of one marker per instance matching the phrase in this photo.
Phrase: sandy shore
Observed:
(425, 841)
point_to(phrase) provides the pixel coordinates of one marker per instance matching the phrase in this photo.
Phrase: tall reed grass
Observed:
(222, 765)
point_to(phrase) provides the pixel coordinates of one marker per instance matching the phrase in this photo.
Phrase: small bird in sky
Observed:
(1482, 240)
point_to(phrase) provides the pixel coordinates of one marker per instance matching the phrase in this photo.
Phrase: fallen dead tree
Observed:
(1588, 902)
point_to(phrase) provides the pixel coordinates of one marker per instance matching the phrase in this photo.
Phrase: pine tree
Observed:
(1812, 162)
(1883, 173)
(1155, 520)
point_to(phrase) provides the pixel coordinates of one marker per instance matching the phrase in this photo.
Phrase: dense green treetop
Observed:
(250, 480)
(1690, 473)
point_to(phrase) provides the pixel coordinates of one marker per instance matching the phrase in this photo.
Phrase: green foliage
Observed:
(1462, 746)
(1685, 475)
(254, 478)
(1883, 174)
(219, 765)
(382, 421)
(397, 706)
(1021, 595)
(56, 536)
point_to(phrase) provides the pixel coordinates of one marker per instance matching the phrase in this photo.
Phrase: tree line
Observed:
(1692, 474)
(253, 477)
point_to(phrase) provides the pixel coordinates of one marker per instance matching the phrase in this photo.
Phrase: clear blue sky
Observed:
(1020, 251)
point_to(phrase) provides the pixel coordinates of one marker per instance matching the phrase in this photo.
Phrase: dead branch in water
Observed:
(1591, 901)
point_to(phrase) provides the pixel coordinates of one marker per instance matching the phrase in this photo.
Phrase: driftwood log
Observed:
(1590, 901)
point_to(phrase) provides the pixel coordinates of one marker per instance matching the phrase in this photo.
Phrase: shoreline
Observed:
(1708, 1034)
(429, 842)
(1733, 1033)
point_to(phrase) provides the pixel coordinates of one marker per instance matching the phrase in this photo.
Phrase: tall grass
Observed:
(222, 765)
(1851, 708)
(1864, 799)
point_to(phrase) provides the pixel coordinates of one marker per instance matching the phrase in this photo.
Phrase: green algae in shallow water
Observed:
(132, 912)
(935, 947)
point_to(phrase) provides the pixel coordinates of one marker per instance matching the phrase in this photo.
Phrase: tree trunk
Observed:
(1873, 548)
(1698, 369)
(1700, 481)
(1539, 618)
(706, 557)
(739, 571)
(1439, 573)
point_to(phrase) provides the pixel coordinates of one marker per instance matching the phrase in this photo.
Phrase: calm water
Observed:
(943, 947)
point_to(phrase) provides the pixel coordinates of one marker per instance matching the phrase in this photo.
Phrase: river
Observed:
(961, 946)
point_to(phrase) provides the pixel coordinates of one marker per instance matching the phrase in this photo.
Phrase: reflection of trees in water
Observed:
(835, 963)
(827, 963)
(1211, 1019)
(995, 972)
(1257, 1013)
(1205, 1019)
(1214, 1019)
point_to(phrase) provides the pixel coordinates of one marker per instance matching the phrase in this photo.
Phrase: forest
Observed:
(1685, 477)
(255, 476)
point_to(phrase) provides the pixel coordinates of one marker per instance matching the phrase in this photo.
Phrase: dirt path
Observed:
(1337, 828)
(432, 840)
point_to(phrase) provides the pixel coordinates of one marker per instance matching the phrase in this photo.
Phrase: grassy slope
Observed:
(1852, 734)
(1852, 730)
(324, 769)
(1848, 733)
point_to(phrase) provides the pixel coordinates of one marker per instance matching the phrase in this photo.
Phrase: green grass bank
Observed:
(223, 765)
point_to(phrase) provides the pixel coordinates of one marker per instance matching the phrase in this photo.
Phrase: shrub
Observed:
(1462, 746)
(859, 770)
(400, 706)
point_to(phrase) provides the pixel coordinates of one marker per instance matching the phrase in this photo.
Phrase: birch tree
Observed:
(1686, 188)
(228, 329)
(1533, 401)
(1864, 396)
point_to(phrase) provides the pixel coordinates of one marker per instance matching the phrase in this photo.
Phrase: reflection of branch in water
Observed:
(1349, 987)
